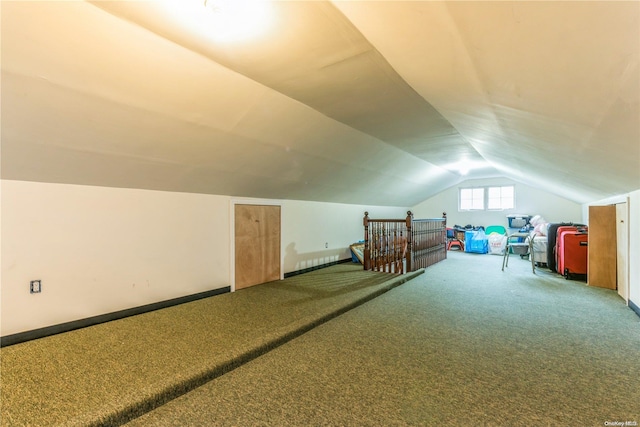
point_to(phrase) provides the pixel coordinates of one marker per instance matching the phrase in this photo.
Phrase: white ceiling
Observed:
(366, 102)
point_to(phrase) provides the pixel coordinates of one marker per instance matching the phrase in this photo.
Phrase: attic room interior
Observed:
(137, 137)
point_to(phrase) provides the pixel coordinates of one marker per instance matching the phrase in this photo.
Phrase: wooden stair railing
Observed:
(399, 245)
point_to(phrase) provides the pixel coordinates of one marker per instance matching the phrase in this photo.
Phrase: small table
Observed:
(513, 241)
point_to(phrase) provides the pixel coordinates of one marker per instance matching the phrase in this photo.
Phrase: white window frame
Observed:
(474, 198)
(485, 198)
(502, 198)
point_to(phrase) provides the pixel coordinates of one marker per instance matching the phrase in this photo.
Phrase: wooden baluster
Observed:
(375, 248)
(384, 261)
(387, 254)
(392, 248)
(378, 247)
(402, 251)
(408, 224)
(399, 252)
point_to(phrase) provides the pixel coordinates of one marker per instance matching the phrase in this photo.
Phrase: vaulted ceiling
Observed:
(367, 102)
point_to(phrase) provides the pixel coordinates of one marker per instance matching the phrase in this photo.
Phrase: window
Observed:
(497, 198)
(501, 197)
(471, 199)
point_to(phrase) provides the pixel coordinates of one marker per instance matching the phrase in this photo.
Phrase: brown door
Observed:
(257, 244)
(602, 247)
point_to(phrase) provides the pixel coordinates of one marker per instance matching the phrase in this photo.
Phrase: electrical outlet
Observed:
(36, 286)
(326, 245)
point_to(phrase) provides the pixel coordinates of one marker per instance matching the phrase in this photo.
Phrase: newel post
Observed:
(367, 250)
(444, 237)
(409, 223)
(444, 224)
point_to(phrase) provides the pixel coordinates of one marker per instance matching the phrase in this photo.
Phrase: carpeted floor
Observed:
(462, 344)
(110, 373)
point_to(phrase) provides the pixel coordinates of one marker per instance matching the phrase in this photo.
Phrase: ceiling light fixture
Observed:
(220, 6)
(222, 21)
(464, 166)
(236, 20)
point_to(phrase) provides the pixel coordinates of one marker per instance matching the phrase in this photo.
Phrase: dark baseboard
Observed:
(634, 307)
(95, 320)
(316, 267)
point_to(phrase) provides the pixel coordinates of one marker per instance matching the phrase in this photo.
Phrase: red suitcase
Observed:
(561, 229)
(572, 253)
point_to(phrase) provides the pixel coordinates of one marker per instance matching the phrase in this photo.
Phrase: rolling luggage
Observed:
(551, 244)
(559, 231)
(572, 253)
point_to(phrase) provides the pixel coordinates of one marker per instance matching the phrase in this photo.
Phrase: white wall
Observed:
(98, 250)
(529, 201)
(308, 226)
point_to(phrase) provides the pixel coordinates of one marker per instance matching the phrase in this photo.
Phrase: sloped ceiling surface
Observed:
(366, 102)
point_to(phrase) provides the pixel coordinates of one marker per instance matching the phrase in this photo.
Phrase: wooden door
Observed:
(623, 250)
(602, 266)
(257, 244)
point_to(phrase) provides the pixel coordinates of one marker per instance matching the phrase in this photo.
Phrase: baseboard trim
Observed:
(634, 307)
(95, 320)
(317, 267)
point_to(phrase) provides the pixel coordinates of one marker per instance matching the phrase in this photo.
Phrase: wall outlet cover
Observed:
(36, 286)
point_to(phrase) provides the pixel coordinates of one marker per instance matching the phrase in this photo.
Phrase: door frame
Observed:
(232, 234)
(623, 248)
